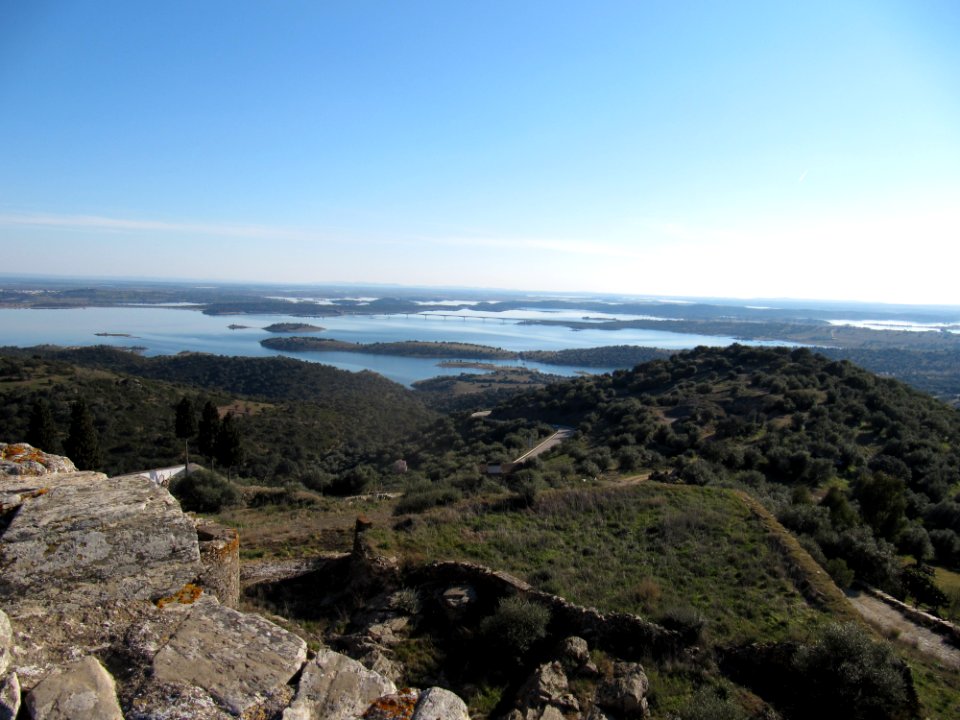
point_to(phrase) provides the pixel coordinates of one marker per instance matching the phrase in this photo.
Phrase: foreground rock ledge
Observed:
(84, 560)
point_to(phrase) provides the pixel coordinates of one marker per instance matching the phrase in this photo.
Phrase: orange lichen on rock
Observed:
(22, 453)
(186, 595)
(399, 706)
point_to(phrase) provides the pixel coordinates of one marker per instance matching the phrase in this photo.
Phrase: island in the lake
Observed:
(110, 334)
(292, 328)
(406, 348)
(234, 326)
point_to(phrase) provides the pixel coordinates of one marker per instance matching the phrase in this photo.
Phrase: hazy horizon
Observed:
(738, 150)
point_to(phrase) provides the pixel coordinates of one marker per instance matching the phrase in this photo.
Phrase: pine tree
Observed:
(208, 429)
(83, 442)
(42, 431)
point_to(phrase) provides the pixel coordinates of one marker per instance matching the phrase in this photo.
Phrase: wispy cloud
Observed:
(99, 222)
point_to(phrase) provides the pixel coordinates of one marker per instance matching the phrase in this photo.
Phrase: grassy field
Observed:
(649, 548)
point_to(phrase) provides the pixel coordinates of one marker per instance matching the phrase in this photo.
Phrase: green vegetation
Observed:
(609, 356)
(708, 491)
(300, 422)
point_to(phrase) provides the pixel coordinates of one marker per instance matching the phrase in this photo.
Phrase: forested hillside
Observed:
(861, 467)
(297, 419)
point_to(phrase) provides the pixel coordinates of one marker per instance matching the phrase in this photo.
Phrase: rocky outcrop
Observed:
(100, 574)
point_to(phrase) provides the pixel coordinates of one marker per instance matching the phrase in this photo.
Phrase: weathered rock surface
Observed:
(175, 702)
(237, 658)
(335, 687)
(396, 706)
(88, 539)
(9, 696)
(439, 704)
(574, 652)
(6, 642)
(80, 691)
(626, 692)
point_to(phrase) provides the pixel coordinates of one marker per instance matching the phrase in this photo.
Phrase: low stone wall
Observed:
(938, 625)
(628, 636)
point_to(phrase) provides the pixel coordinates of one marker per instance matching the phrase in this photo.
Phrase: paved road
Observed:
(558, 437)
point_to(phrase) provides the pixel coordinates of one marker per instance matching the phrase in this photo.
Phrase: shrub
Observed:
(687, 621)
(516, 625)
(707, 704)
(204, 491)
(840, 572)
(852, 675)
(420, 498)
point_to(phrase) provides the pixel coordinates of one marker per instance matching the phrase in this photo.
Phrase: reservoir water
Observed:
(167, 331)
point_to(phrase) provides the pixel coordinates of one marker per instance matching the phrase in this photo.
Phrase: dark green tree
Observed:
(185, 426)
(208, 429)
(83, 442)
(883, 502)
(42, 430)
(229, 443)
(919, 582)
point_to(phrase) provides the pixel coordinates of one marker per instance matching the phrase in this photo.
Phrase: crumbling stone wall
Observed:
(626, 635)
(220, 558)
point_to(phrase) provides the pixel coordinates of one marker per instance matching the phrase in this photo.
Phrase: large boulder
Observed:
(438, 704)
(548, 686)
(238, 658)
(625, 693)
(80, 691)
(335, 687)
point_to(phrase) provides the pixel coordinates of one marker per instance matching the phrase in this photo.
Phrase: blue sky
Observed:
(748, 149)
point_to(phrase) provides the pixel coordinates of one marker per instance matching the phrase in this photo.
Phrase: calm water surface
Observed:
(167, 331)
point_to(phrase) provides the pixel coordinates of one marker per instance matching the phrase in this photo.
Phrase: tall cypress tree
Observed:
(208, 429)
(83, 442)
(42, 430)
(229, 444)
(185, 426)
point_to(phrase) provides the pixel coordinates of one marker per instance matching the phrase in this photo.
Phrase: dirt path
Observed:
(891, 622)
